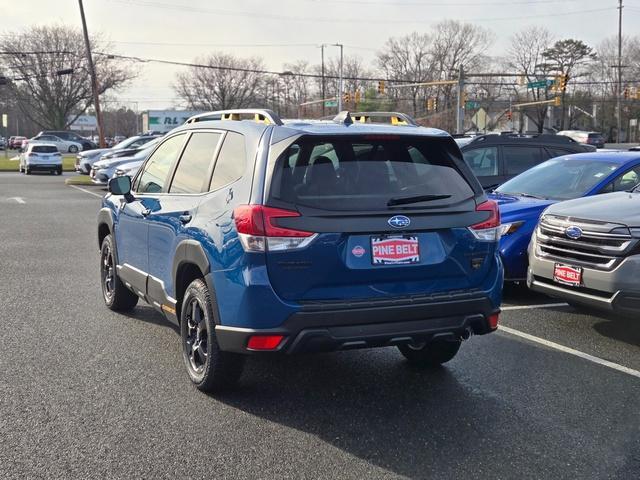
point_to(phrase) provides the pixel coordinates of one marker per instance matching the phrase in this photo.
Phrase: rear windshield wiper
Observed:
(415, 199)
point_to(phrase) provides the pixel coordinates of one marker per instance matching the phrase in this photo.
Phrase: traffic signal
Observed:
(509, 115)
(358, 96)
(381, 87)
(637, 93)
(626, 92)
(346, 97)
(562, 84)
(463, 99)
(557, 101)
(429, 104)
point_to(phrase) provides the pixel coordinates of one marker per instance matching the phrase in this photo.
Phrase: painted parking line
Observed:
(86, 191)
(571, 351)
(532, 307)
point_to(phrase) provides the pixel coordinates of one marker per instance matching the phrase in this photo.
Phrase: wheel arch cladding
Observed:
(189, 262)
(105, 225)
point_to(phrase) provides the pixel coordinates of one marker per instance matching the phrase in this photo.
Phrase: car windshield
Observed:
(126, 143)
(368, 173)
(559, 178)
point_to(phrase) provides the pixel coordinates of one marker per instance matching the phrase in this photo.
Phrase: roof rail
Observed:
(266, 116)
(393, 118)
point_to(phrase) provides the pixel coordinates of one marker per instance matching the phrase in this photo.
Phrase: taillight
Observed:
(493, 321)
(488, 230)
(258, 231)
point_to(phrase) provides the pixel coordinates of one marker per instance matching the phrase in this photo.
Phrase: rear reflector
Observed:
(493, 321)
(264, 342)
(488, 230)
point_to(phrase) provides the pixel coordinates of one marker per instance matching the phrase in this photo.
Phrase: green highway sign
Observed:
(471, 105)
(331, 103)
(538, 84)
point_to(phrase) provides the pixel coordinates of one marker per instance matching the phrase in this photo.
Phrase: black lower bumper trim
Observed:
(308, 331)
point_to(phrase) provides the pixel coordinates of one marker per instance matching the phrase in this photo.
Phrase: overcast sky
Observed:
(184, 29)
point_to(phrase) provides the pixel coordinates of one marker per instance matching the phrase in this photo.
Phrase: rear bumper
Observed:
(340, 326)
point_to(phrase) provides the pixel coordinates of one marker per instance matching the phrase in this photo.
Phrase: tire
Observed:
(59, 171)
(73, 149)
(27, 170)
(116, 295)
(209, 368)
(432, 354)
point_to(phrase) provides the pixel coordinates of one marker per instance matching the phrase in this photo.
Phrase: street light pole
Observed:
(340, 81)
(92, 73)
(619, 89)
(323, 82)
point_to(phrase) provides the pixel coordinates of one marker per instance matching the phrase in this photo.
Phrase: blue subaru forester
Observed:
(258, 235)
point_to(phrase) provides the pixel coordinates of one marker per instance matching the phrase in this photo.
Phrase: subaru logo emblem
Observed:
(573, 232)
(399, 221)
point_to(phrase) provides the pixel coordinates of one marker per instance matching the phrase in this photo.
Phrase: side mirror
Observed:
(120, 185)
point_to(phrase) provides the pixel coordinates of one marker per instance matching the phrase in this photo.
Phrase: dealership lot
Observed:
(85, 391)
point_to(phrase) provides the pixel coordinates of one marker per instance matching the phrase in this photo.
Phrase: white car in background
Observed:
(63, 146)
(41, 157)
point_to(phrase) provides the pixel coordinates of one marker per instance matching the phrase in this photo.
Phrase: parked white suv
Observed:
(41, 157)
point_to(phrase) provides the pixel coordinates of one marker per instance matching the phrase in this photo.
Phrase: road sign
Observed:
(5, 120)
(541, 83)
(471, 105)
(331, 103)
(480, 119)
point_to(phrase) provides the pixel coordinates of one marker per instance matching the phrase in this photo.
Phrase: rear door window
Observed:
(363, 173)
(483, 161)
(231, 163)
(518, 159)
(191, 173)
(156, 170)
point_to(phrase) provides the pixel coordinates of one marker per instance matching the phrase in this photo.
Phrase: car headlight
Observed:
(509, 228)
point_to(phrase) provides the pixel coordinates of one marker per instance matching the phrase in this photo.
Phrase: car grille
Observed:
(601, 246)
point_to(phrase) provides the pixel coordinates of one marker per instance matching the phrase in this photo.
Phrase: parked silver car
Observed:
(63, 146)
(587, 252)
(85, 160)
(103, 170)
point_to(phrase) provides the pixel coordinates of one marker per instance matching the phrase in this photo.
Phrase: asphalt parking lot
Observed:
(86, 392)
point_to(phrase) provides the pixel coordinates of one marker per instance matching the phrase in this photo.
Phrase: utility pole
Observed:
(323, 82)
(92, 73)
(460, 108)
(340, 81)
(619, 89)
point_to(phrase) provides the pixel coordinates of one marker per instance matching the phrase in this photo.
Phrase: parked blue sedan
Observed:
(523, 198)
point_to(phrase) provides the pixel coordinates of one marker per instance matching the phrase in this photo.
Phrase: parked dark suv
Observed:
(497, 158)
(257, 235)
(72, 137)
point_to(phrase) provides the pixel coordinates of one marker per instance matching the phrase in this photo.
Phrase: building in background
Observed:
(165, 120)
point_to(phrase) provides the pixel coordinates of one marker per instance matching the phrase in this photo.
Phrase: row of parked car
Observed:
(258, 234)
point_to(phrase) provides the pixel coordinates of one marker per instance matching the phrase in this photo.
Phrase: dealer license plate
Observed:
(395, 250)
(567, 275)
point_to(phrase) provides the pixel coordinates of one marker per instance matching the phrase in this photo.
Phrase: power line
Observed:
(316, 19)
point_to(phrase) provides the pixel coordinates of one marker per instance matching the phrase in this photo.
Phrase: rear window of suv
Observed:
(367, 173)
(44, 149)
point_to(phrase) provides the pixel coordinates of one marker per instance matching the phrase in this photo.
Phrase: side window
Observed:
(557, 152)
(156, 170)
(483, 161)
(519, 159)
(231, 163)
(195, 162)
(624, 182)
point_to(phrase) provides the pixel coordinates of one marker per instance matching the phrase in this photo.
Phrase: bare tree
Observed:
(222, 81)
(38, 57)
(297, 88)
(566, 57)
(525, 55)
(408, 58)
(457, 45)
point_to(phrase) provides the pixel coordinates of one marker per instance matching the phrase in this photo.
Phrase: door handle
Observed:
(185, 218)
(146, 212)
